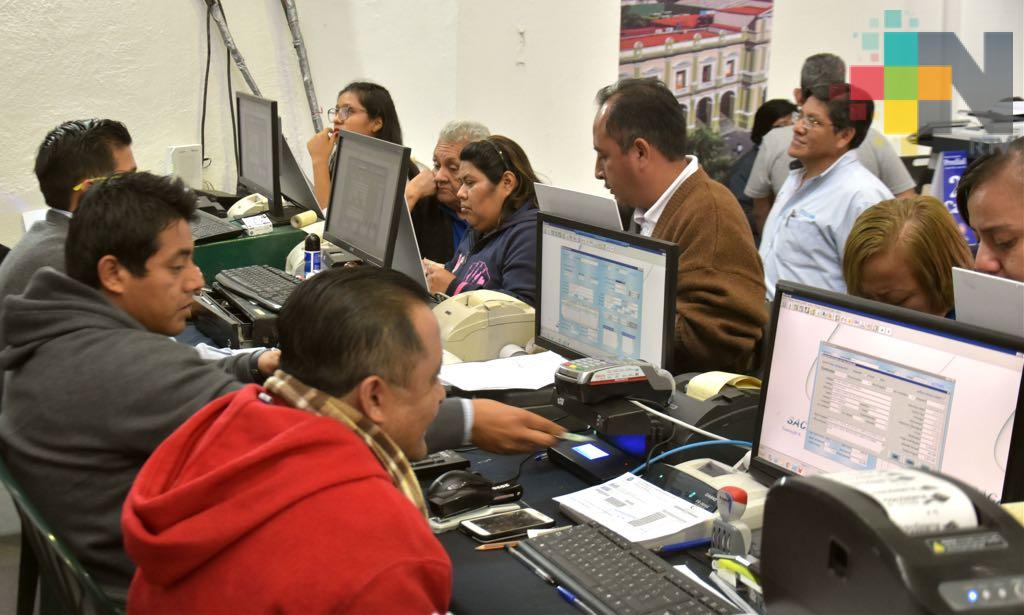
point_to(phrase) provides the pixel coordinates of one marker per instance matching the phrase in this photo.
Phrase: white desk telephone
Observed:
(253, 204)
(475, 325)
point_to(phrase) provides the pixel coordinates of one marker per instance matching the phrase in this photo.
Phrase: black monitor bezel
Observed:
(671, 275)
(247, 184)
(403, 174)
(1013, 484)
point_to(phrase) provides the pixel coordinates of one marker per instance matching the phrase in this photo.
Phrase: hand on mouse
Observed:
(500, 428)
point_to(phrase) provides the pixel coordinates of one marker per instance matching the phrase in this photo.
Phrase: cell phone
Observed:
(506, 525)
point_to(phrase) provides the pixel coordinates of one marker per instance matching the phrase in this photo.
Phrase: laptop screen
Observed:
(852, 386)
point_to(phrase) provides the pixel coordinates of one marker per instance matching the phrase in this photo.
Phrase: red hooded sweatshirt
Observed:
(251, 507)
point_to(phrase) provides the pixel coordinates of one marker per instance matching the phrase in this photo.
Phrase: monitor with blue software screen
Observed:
(854, 384)
(603, 293)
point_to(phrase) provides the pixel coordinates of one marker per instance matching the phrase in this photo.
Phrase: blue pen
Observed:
(682, 546)
(571, 598)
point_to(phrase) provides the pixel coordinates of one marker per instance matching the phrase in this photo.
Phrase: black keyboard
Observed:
(266, 285)
(207, 228)
(611, 575)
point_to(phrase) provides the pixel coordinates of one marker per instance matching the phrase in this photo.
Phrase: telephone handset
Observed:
(253, 204)
(592, 380)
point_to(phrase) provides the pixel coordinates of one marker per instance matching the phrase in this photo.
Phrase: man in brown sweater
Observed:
(640, 140)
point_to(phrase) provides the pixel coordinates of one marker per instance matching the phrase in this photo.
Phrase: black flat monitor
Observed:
(259, 153)
(852, 384)
(367, 190)
(603, 293)
(295, 186)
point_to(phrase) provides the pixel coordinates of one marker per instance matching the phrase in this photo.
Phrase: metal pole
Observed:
(292, 15)
(225, 33)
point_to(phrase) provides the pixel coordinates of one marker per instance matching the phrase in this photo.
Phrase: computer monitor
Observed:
(259, 153)
(855, 384)
(596, 210)
(604, 293)
(407, 258)
(295, 186)
(367, 190)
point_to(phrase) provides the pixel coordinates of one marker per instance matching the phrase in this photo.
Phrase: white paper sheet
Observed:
(916, 502)
(534, 371)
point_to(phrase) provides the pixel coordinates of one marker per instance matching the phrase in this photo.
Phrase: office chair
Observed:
(44, 556)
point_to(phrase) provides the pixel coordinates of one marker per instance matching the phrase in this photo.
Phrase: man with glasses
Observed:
(807, 228)
(772, 164)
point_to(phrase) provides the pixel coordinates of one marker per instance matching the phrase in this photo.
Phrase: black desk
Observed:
(494, 582)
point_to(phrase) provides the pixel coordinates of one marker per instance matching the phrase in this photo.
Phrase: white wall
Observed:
(142, 63)
(802, 28)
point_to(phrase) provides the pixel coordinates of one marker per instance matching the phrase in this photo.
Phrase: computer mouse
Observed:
(457, 491)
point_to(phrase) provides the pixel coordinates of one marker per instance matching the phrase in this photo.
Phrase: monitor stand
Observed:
(287, 211)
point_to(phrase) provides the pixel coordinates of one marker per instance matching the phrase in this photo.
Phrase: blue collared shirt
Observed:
(806, 230)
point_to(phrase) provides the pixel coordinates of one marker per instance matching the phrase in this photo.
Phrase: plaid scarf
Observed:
(304, 397)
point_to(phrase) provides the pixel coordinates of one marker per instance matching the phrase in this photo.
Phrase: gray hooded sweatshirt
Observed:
(89, 394)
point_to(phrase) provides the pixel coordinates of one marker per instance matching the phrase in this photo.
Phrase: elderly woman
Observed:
(498, 201)
(902, 252)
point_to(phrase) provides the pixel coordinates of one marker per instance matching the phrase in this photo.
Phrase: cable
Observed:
(647, 463)
(206, 85)
(687, 447)
(231, 109)
(519, 470)
(672, 419)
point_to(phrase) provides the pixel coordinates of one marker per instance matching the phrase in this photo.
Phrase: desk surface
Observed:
(494, 582)
(270, 249)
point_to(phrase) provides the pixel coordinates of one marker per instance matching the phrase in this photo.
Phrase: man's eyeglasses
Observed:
(344, 112)
(811, 121)
(94, 180)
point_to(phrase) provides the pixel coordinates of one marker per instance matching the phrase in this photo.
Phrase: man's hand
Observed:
(268, 361)
(418, 188)
(500, 428)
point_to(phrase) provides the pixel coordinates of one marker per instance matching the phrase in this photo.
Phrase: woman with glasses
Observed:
(902, 252)
(497, 199)
(364, 108)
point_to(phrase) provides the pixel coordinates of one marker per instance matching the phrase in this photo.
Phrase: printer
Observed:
(829, 547)
(476, 325)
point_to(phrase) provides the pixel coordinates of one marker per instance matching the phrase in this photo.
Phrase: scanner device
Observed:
(457, 491)
(476, 325)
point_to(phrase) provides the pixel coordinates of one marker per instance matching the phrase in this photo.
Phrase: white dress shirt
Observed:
(647, 220)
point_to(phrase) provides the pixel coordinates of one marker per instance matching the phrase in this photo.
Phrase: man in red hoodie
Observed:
(298, 496)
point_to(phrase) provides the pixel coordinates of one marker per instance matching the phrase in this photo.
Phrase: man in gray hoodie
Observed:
(93, 381)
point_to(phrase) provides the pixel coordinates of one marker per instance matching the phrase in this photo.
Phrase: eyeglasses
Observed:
(810, 120)
(93, 180)
(344, 112)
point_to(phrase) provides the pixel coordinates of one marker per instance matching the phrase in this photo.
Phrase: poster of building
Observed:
(713, 55)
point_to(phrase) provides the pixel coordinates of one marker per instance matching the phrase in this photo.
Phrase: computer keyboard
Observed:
(611, 575)
(266, 285)
(207, 228)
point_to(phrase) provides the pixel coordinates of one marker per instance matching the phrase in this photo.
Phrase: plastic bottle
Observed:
(312, 256)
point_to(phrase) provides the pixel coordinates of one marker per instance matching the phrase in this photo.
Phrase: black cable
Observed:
(519, 470)
(231, 109)
(650, 453)
(206, 85)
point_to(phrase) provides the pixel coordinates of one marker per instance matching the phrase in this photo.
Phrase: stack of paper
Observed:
(534, 371)
(639, 512)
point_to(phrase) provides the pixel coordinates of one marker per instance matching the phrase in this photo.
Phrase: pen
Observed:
(682, 546)
(497, 545)
(571, 598)
(537, 571)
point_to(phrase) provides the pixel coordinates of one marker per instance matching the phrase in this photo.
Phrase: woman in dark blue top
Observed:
(499, 252)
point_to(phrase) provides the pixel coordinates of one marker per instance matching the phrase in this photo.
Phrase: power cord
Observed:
(206, 84)
(647, 463)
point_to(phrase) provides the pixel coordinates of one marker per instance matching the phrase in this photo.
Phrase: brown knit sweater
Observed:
(720, 308)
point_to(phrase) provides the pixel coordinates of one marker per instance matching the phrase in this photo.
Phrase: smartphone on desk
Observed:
(506, 526)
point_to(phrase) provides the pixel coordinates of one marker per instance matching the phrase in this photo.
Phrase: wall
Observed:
(803, 28)
(142, 63)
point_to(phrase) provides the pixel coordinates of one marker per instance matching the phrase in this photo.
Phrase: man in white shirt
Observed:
(772, 165)
(807, 228)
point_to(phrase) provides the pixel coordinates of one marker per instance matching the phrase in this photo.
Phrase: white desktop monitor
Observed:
(596, 210)
(259, 148)
(367, 190)
(854, 384)
(604, 293)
